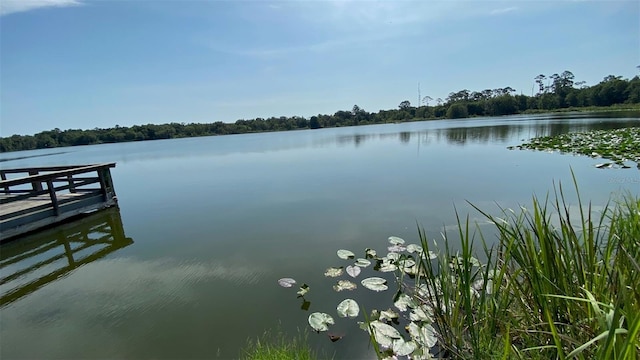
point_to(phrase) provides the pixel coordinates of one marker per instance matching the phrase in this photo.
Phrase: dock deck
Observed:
(33, 198)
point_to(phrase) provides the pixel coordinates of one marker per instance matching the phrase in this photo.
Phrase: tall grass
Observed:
(278, 346)
(555, 284)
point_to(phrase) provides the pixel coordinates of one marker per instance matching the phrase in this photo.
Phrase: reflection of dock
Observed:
(37, 197)
(43, 257)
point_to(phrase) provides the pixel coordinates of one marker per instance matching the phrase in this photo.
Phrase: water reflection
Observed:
(466, 132)
(27, 264)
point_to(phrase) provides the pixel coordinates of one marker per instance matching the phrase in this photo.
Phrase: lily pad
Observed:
(404, 302)
(320, 321)
(353, 271)
(344, 285)
(424, 335)
(388, 315)
(419, 314)
(387, 266)
(394, 240)
(384, 333)
(430, 255)
(414, 248)
(333, 272)
(370, 253)
(362, 262)
(392, 256)
(397, 248)
(346, 254)
(405, 263)
(617, 145)
(375, 284)
(304, 289)
(348, 308)
(286, 282)
(403, 348)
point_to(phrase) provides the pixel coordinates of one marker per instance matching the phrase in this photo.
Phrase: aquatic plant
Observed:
(551, 286)
(617, 145)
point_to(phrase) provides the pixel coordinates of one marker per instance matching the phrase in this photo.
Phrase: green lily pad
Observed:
(403, 348)
(344, 285)
(286, 282)
(304, 289)
(370, 253)
(346, 254)
(424, 335)
(333, 272)
(375, 284)
(397, 248)
(419, 314)
(320, 321)
(387, 266)
(384, 333)
(388, 315)
(362, 262)
(404, 302)
(394, 240)
(353, 271)
(348, 308)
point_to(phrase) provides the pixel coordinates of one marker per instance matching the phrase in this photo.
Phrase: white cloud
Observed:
(14, 6)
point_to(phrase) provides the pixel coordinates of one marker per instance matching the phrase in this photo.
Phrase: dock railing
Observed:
(31, 198)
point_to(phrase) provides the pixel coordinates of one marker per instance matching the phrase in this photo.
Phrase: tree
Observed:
(462, 95)
(426, 100)
(503, 105)
(404, 105)
(540, 81)
(314, 123)
(633, 91)
(457, 111)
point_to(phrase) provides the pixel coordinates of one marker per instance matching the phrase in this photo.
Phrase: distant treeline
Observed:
(553, 92)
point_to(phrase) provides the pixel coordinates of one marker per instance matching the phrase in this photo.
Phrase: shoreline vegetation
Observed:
(618, 145)
(561, 281)
(556, 93)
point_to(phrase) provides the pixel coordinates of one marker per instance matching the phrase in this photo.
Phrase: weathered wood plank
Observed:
(54, 174)
(54, 196)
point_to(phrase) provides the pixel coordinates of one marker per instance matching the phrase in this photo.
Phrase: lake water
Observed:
(208, 225)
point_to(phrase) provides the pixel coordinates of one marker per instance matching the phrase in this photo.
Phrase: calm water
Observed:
(206, 226)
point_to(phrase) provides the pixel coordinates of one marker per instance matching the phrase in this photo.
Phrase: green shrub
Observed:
(457, 111)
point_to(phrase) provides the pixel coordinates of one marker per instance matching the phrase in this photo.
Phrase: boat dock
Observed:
(37, 197)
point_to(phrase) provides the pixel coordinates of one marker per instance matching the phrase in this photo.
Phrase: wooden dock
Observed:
(34, 198)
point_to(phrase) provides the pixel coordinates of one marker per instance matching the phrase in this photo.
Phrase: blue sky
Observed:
(76, 64)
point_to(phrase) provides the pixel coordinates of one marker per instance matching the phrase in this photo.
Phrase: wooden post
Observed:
(54, 198)
(106, 184)
(36, 185)
(3, 176)
(72, 187)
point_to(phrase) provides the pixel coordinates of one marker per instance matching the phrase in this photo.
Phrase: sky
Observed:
(84, 64)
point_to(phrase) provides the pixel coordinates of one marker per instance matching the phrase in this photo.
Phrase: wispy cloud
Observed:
(283, 51)
(503, 10)
(14, 6)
